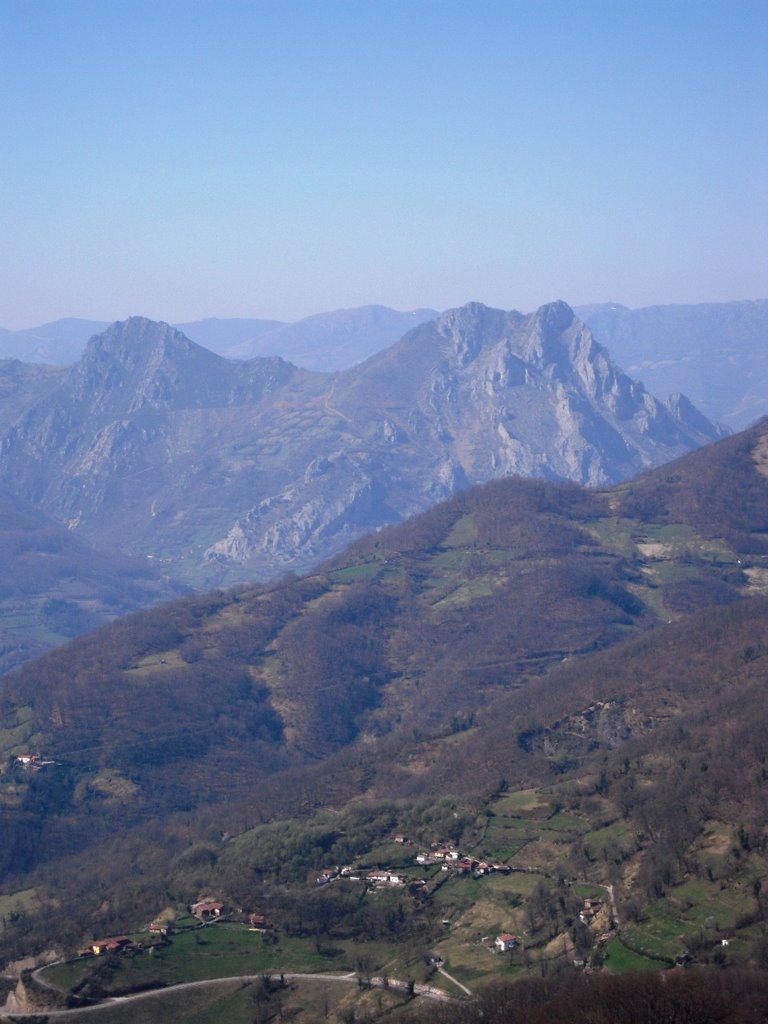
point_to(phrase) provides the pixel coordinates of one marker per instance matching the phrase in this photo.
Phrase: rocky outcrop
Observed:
(33, 996)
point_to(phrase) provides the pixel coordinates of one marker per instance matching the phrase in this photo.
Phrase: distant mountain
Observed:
(325, 341)
(58, 343)
(129, 436)
(221, 470)
(234, 338)
(336, 340)
(63, 342)
(717, 353)
(714, 353)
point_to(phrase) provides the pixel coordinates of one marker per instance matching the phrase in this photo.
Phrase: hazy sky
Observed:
(184, 158)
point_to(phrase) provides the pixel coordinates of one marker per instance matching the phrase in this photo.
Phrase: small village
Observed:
(451, 861)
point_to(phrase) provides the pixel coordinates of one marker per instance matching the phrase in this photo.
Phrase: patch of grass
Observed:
(228, 1002)
(517, 826)
(618, 958)
(462, 533)
(234, 1008)
(586, 891)
(619, 832)
(521, 883)
(660, 931)
(502, 847)
(353, 573)
(153, 663)
(110, 784)
(225, 951)
(540, 854)
(65, 976)
(615, 534)
(562, 822)
(467, 593)
(519, 802)
(17, 731)
(698, 901)
(16, 903)
(670, 572)
(448, 561)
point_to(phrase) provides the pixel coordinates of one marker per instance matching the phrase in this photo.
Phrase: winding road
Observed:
(426, 991)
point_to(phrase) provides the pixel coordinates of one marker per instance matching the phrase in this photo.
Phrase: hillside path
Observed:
(427, 991)
(614, 913)
(455, 981)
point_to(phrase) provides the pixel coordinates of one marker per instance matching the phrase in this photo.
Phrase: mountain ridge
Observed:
(287, 466)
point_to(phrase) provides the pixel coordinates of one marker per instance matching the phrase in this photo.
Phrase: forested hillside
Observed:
(564, 681)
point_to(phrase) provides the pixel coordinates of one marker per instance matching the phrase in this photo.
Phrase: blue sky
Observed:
(274, 159)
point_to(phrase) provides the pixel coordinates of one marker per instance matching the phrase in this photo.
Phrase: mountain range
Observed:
(324, 341)
(715, 353)
(218, 470)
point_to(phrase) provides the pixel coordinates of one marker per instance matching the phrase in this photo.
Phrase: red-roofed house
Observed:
(207, 910)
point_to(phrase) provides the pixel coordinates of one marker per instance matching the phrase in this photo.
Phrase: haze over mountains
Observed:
(715, 353)
(324, 341)
(220, 470)
(55, 587)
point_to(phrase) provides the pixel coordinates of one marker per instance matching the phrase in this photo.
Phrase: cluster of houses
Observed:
(205, 910)
(208, 909)
(379, 876)
(449, 858)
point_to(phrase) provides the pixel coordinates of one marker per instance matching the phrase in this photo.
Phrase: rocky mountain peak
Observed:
(555, 340)
(470, 328)
(260, 466)
(137, 340)
(139, 362)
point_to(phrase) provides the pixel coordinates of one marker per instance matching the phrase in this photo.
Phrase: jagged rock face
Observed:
(222, 470)
(505, 393)
(125, 432)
